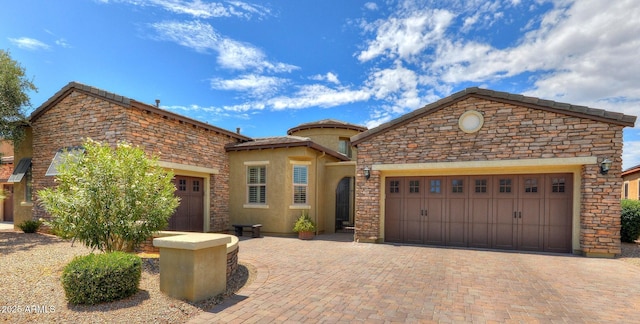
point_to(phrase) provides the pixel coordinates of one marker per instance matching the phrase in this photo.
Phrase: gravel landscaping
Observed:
(30, 288)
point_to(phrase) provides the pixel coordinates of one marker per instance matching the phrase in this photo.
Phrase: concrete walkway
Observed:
(331, 279)
(6, 226)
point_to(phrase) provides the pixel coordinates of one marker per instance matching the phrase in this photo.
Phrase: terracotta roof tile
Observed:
(283, 142)
(327, 123)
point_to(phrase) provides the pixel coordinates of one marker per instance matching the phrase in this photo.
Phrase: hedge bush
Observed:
(97, 278)
(630, 220)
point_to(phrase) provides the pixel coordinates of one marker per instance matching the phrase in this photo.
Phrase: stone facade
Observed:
(511, 131)
(79, 112)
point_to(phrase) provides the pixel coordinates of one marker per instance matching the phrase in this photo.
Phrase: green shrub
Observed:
(29, 226)
(630, 220)
(97, 278)
(110, 199)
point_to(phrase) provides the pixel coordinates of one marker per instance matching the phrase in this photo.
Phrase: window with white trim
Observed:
(257, 184)
(300, 184)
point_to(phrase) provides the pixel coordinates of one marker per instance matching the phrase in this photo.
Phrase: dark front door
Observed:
(343, 202)
(7, 205)
(189, 215)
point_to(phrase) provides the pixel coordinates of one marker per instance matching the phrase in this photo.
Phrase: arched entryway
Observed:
(344, 203)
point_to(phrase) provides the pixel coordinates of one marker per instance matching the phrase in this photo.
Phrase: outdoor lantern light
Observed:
(367, 173)
(605, 165)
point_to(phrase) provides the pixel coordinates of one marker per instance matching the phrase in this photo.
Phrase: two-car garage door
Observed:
(514, 212)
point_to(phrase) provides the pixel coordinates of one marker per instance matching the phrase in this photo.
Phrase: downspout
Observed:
(315, 207)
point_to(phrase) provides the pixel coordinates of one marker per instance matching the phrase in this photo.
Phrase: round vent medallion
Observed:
(471, 121)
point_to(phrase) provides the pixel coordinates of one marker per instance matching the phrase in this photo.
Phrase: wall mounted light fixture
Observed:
(367, 172)
(605, 165)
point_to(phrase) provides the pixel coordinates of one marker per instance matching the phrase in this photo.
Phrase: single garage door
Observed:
(512, 212)
(189, 214)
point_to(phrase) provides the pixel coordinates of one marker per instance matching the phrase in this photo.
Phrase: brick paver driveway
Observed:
(331, 279)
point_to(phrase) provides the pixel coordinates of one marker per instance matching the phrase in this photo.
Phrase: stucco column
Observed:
(193, 266)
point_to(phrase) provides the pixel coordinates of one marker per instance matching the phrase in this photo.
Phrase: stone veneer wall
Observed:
(510, 132)
(78, 116)
(184, 143)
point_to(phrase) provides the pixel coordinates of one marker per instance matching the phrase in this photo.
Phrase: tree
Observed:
(13, 96)
(109, 199)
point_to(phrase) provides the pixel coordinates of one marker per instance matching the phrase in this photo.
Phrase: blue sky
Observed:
(268, 66)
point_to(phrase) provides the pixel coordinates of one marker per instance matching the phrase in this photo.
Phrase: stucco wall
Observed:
(509, 132)
(279, 213)
(334, 173)
(21, 208)
(328, 137)
(633, 182)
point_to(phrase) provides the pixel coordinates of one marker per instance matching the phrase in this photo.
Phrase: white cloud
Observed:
(203, 10)
(232, 54)
(371, 6)
(318, 96)
(62, 43)
(398, 86)
(630, 156)
(329, 77)
(582, 52)
(405, 37)
(256, 85)
(241, 56)
(29, 43)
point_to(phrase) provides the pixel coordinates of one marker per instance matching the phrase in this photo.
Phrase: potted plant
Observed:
(304, 226)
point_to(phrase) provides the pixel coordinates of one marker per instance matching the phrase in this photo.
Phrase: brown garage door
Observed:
(189, 214)
(514, 212)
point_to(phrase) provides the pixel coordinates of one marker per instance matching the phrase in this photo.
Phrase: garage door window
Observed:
(505, 185)
(557, 185)
(414, 186)
(457, 186)
(435, 186)
(531, 185)
(394, 187)
(481, 185)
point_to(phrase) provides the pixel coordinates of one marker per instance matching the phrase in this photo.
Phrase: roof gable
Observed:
(127, 103)
(504, 97)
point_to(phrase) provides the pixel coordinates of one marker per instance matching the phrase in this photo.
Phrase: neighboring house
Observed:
(193, 150)
(631, 183)
(491, 169)
(6, 168)
(311, 170)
